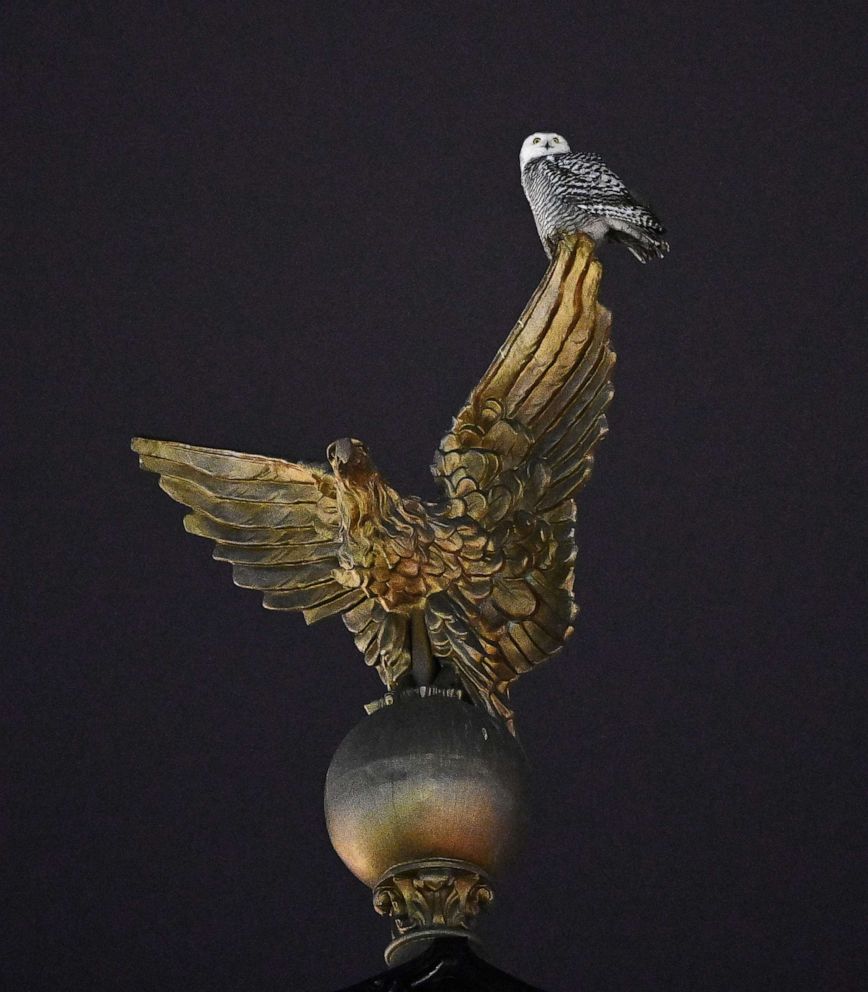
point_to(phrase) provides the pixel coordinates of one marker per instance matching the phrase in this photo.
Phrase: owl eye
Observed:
(536, 141)
(556, 139)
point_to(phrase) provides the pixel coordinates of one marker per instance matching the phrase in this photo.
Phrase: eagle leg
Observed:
(423, 665)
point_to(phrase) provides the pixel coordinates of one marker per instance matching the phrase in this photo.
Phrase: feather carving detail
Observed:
(484, 575)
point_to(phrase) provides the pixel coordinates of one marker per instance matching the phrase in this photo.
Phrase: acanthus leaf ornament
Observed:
(431, 898)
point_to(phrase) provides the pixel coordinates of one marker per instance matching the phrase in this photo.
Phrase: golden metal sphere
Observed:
(427, 777)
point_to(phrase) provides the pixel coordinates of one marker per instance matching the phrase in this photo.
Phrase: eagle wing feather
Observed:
(517, 453)
(275, 522)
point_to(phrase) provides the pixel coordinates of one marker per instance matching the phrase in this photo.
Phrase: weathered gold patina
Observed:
(426, 802)
(427, 776)
(426, 799)
(428, 900)
(473, 589)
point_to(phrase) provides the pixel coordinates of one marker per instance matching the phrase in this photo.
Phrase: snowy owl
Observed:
(575, 191)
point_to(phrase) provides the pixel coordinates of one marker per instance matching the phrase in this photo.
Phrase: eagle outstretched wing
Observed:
(275, 521)
(489, 569)
(517, 453)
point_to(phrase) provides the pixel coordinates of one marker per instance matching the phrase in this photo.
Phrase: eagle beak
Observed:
(343, 450)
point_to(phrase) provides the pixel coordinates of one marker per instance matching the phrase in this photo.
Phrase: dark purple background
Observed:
(264, 227)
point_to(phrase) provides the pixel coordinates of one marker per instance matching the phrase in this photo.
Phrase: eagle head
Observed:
(364, 499)
(351, 462)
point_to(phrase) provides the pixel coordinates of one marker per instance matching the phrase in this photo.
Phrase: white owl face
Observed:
(541, 143)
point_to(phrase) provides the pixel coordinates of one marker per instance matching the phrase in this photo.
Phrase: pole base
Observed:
(448, 963)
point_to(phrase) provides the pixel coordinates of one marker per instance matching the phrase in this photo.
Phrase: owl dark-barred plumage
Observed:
(572, 192)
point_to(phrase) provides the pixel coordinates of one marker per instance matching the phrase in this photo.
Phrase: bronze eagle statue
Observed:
(471, 590)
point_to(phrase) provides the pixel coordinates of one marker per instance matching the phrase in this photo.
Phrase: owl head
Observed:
(541, 143)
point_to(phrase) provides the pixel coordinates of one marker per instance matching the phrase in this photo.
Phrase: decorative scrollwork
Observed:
(432, 895)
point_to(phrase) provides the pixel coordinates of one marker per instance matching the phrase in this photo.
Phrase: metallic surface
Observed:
(427, 777)
(477, 585)
(428, 900)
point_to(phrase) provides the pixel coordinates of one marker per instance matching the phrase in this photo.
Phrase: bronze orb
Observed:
(426, 777)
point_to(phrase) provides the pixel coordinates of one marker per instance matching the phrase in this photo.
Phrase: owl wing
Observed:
(585, 180)
(580, 175)
(275, 522)
(518, 451)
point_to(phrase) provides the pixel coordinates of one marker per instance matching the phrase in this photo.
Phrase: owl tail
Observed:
(642, 243)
